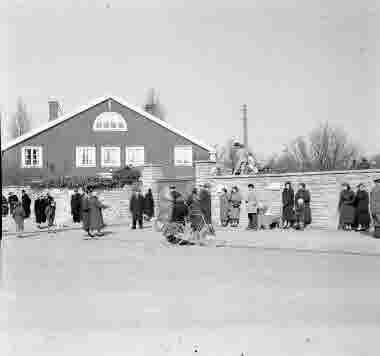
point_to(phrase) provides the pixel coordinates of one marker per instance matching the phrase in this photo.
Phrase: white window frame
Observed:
(23, 156)
(109, 120)
(134, 148)
(78, 156)
(103, 150)
(182, 161)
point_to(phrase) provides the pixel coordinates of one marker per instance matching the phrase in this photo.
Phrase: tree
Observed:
(325, 148)
(20, 120)
(153, 105)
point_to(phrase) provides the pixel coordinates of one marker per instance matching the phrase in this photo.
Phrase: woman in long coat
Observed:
(346, 207)
(235, 204)
(75, 203)
(26, 202)
(288, 205)
(39, 210)
(302, 207)
(362, 216)
(224, 207)
(95, 214)
(195, 212)
(149, 204)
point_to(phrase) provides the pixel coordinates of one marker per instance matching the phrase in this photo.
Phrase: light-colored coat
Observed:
(375, 205)
(252, 203)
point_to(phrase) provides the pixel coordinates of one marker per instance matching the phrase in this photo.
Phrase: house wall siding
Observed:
(59, 144)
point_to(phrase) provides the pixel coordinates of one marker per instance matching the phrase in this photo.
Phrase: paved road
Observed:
(127, 294)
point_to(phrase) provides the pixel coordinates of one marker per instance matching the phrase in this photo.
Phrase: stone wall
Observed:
(324, 188)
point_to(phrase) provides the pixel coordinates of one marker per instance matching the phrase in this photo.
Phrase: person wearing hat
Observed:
(174, 195)
(75, 205)
(346, 208)
(362, 216)
(375, 207)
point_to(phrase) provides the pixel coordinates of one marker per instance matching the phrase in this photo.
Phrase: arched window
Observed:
(110, 121)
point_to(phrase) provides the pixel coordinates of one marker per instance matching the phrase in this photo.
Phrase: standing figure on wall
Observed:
(75, 203)
(235, 204)
(346, 208)
(375, 207)
(288, 206)
(302, 207)
(26, 202)
(224, 207)
(362, 216)
(149, 205)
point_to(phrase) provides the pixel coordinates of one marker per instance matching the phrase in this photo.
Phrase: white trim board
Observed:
(93, 103)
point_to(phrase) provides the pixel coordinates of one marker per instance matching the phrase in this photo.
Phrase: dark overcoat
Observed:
(346, 207)
(195, 212)
(95, 215)
(362, 217)
(39, 210)
(76, 200)
(85, 212)
(149, 205)
(136, 205)
(303, 211)
(12, 202)
(26, 202)
(288, 205)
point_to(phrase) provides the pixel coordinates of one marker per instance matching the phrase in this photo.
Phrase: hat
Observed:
(376, 179)
(207, 185)
(172, 187)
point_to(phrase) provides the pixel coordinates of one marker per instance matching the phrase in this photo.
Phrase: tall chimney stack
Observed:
(53, 109)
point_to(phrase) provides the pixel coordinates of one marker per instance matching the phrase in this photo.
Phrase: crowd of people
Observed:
(357, 210)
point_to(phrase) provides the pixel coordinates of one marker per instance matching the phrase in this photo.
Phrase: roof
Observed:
(93, 103)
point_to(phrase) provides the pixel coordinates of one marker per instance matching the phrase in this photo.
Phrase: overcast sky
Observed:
(295, 63)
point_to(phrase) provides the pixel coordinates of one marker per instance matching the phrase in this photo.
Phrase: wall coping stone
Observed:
(205, 161)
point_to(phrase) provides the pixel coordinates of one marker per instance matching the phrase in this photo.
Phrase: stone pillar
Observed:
(150, 173)
(203, 171)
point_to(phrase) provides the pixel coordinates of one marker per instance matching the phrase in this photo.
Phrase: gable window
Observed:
(85, 156)
(110, 157)
(183, 155)
(31, 157)
(135, 156)
(110, 121)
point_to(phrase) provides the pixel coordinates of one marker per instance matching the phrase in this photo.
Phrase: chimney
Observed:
(53, 109)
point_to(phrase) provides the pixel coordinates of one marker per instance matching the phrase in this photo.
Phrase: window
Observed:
(110, 156)
(135, 156)
(85, 156)
(110, 121)
(31, 157)
(183, 155)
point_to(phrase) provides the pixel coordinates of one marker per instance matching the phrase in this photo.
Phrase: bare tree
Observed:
(20, 120)
(153, 105)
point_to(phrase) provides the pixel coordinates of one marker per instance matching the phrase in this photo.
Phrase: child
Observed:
(19, 215)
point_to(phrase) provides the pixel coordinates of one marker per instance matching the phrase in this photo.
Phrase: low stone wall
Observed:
(324, 188)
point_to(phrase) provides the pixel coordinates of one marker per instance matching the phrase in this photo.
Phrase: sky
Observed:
(295, 63)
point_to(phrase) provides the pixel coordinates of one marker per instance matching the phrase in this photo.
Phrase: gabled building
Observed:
(102, 136)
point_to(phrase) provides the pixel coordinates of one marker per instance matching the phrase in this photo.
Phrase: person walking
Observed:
(18, 215)
(75, 203)
(375, 207)
(50, 211)
(302, 207)
(362, 215)
(39, 210)
(252, 208)
(136, 207)
(12, 200)
(235, 204)
(346, 207)
(224, 207)
(149, 205)
(288, 206)
(95, 215)
(26, 202)
(84, 212)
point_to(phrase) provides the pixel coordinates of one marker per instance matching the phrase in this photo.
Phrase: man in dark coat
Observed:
(26, 202)
(136, 207)
(362, 216)
(76, 200)
(346, 207)
(84, 209)
(12, 200)
(375, 207)
(205, 201)
(39, 210)
(288, 206)
(174, 195)
(149, 204)
(302, 207)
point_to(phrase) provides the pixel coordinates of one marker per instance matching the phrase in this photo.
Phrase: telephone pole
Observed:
(245, 125)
